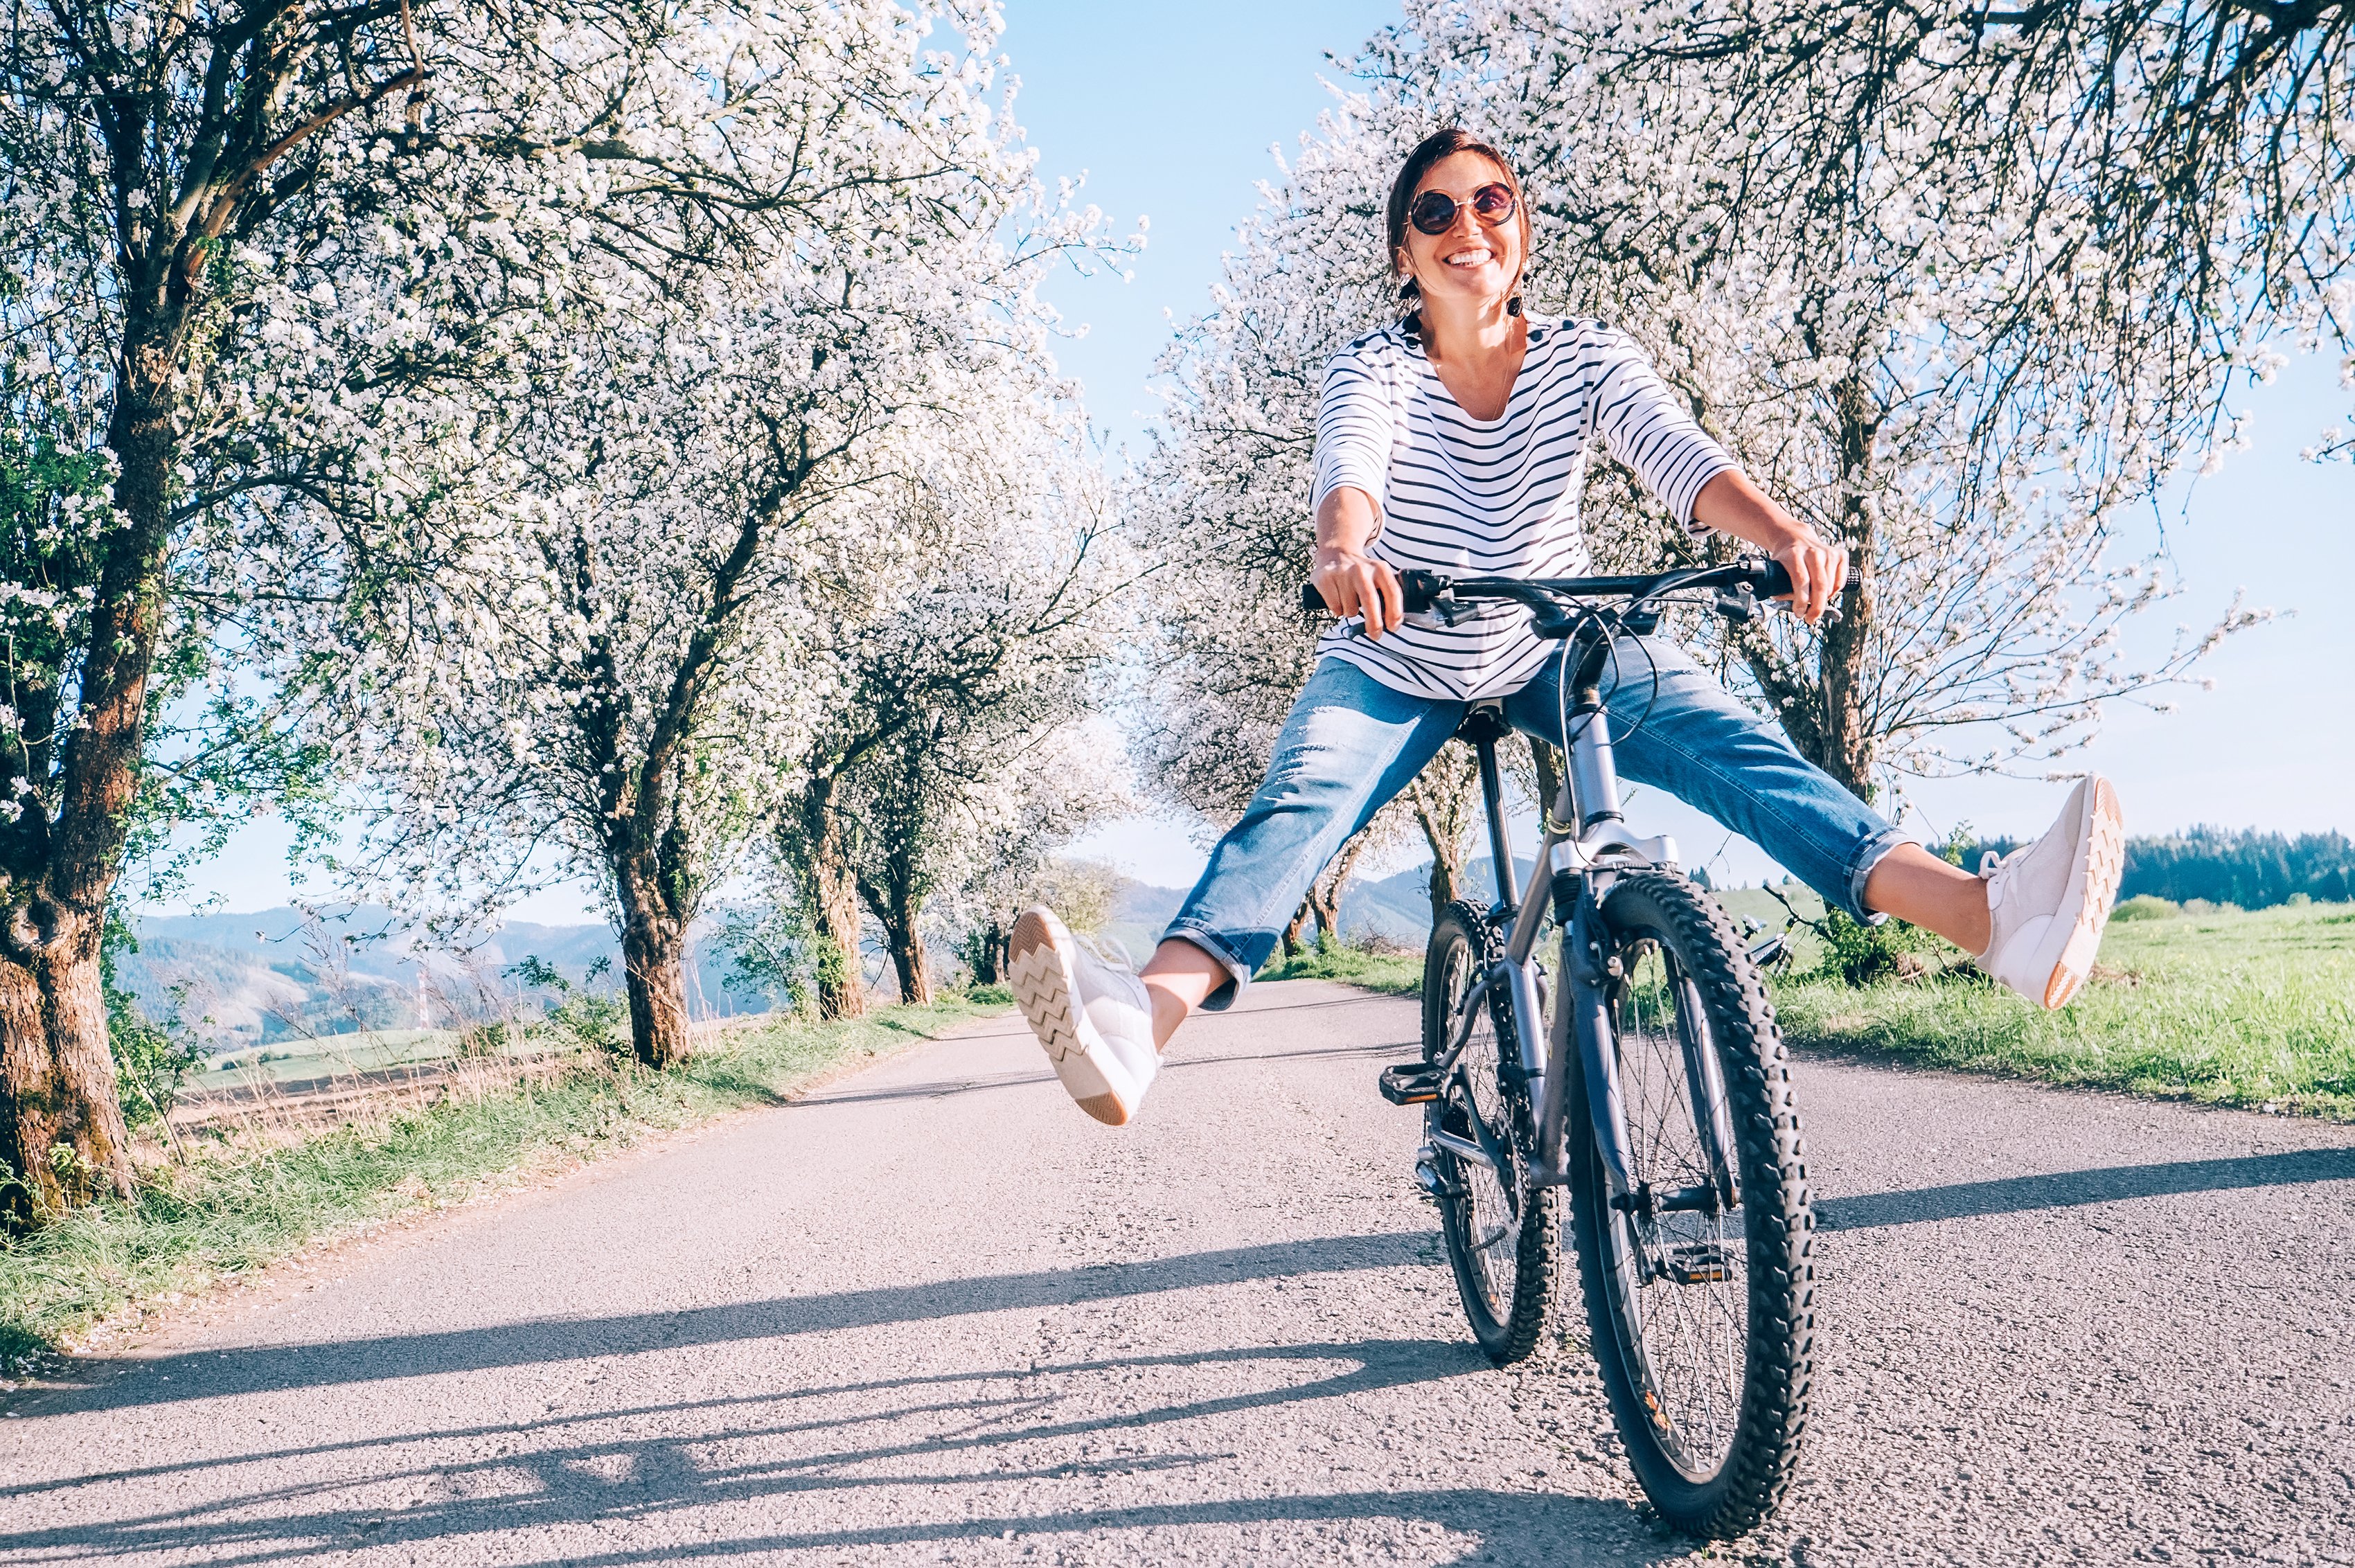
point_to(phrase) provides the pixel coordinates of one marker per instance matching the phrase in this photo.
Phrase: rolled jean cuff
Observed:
(1238, 975)
(1868, 855)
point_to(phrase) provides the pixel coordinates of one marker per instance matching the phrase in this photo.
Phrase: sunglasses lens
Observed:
(1493, 202)
(1433, 211)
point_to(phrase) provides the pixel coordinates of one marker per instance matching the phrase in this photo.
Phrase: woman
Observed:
(1457, 439)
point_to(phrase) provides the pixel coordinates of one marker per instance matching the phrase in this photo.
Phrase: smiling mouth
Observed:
(1470, 258)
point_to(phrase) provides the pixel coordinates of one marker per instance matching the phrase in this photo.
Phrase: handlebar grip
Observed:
(1774, 580)
(1417, 588)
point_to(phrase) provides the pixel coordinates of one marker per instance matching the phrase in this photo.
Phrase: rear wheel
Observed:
(1503, 1239)
(1699, 1287)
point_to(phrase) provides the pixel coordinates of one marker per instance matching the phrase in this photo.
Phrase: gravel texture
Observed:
(934, 1314)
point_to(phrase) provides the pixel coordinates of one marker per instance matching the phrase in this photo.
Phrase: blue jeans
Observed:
(1352, 744)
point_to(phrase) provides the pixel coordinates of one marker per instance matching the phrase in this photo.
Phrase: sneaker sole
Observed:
(2104, 864)
(1041, 983)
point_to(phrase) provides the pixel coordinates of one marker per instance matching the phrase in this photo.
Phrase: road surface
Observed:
(934, 1314)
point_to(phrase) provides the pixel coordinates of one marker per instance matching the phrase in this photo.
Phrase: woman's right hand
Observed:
(1358, 584)
(1353, 582)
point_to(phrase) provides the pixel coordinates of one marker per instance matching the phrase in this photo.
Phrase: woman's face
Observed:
(1470, 262)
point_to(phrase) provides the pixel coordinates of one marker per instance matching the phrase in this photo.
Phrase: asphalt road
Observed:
(935, 1313)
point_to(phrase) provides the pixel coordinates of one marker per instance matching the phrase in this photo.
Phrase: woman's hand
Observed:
(1732, 503)
(1358, 584)
(1353, 582)
(1818, 573)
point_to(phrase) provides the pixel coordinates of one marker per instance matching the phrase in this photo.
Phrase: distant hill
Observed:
(236, 980)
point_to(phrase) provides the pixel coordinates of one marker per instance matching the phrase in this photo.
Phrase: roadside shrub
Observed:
(1860, 954)
(2147, 906)
(150, 1060)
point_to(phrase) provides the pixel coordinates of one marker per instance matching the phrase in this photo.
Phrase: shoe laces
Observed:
(1107, 950)
(1991, 862)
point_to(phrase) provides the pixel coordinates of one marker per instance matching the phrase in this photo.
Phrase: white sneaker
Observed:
(2048, 901)
(1092, 1015)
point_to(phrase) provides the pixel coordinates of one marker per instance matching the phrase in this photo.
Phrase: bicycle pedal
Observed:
(1701, 1263)
(1411, 1084)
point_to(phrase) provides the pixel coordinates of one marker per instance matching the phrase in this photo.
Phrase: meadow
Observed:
(2223, 1006)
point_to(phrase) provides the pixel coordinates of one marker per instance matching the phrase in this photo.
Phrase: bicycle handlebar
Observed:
(1422, 590)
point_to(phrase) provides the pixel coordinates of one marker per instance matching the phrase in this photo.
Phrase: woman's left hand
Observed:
(1818, 572)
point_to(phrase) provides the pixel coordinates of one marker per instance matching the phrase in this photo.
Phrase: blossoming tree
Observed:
(615, 649)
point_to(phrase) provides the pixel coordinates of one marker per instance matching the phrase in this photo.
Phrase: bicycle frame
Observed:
(1586, 844)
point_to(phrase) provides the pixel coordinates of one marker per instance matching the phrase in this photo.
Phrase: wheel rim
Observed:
(1486, 1215)
(1681, 1277)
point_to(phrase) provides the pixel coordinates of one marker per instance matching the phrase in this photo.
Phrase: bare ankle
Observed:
(1169, 1010)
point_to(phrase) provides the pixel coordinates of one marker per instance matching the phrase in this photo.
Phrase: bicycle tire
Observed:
(1666, 1419)
(1505, 1250)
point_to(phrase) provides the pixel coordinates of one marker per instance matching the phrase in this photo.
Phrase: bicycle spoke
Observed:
(1688, 1268)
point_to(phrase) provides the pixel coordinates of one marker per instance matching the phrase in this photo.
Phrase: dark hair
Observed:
(1430, 150)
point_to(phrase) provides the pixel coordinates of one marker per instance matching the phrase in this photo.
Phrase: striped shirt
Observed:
(1495, 496)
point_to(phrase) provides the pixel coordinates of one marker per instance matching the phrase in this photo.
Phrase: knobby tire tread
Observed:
(1537, 1264)
(1778, 1224)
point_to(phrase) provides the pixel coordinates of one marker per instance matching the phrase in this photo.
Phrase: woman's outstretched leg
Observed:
(1350, 745)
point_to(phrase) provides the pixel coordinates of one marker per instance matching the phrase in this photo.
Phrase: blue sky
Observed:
(1172, 112)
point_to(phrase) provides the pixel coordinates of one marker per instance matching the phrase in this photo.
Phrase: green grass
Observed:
(2228, 1009)
(236, 1207)
(2254, 1008)
(1392, 974)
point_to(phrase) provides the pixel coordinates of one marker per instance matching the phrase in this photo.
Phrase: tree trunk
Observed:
(1324, 893)
(1848, 747)
(653, 950)
(1294, 927)
(1442, 795)
(56, 1075)
(909, 962)
(830, 886)
(63, 1137)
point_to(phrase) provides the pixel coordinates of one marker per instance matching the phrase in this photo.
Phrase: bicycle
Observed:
(1687, 1197)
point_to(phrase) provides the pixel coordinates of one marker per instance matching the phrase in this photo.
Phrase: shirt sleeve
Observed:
(1646, 429)
(1355, 421)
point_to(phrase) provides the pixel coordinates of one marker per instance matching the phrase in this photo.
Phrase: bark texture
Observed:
(1324, 893)
(1825, 714)
(1446, 796)
(815, 845)
(1298, 924)
(654, 952)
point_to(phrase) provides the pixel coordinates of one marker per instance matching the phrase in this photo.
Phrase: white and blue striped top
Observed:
(1493, 496)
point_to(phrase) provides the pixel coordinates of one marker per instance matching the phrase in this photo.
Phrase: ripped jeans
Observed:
(1352, 744)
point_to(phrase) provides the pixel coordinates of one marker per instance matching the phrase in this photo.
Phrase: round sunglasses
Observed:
(1434, 211)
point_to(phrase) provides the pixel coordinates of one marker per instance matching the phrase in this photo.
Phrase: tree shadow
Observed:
(2070, 1188)
(203, 1374)
(594, 1469)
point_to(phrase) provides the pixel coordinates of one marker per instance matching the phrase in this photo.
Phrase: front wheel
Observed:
(1503, 1236)
(1699, 1286)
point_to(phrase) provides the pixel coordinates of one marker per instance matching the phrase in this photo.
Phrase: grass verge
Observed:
(237, 1206)
(1396, 975)
(2251, 1009)
(2254, 1009)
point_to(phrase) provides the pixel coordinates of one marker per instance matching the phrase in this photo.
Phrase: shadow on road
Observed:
(439, 1487)
(2069, 1188)
(208, 1373)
